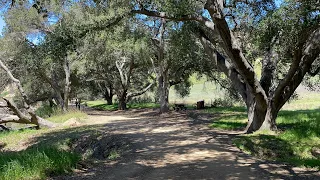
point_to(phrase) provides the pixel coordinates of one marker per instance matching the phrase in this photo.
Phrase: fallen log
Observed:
(21, 118)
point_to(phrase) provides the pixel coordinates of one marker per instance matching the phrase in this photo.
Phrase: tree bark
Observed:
(33, 119)
(108, 99)
(51, 103)
(163, 91)
(108, 94)
(269, 122)
(53, 82)
(122, 101)
(162, 74)
(66, 67)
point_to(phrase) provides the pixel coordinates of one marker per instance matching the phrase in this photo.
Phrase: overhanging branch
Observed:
(207, 22)
(171, 17)
(131, 95)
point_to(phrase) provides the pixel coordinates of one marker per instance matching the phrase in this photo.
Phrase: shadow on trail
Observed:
(167, 147)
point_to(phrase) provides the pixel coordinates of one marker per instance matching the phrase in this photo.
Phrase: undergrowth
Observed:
(36, 163)
(39, 154)
(57, 115)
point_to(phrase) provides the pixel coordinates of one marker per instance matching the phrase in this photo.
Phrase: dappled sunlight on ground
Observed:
(189, 156)
(175, 146)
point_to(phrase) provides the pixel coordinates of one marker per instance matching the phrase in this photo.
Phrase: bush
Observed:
(141, 99)
(46, 111)
(222, 102)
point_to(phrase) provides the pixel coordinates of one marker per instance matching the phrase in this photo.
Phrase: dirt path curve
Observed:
(176, 146)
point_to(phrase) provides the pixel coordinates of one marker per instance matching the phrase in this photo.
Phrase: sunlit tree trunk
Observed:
(163, 90)
(67, 84)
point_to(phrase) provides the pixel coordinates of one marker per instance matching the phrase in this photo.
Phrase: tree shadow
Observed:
(160, 147)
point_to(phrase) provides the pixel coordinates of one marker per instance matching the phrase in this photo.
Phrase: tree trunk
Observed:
(122, 104)
(52, 104)
(109, 100)
(67, 84)
(270, 118)
(108, 95)
(256, 116)
(261, 118)
(122, 101)
(163, 91)
(59, 100)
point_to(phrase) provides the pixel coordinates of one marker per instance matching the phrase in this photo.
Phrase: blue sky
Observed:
(2, 24)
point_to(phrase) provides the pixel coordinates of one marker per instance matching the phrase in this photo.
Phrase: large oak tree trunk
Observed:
(122, 104)
(262, 119)
(256, 116)
(109, 100)
(270, 118)
(122, 100)
(163, 91)
(108, 94)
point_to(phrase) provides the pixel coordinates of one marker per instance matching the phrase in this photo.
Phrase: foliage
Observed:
(223, 102)
(36, 163)
(46, 111)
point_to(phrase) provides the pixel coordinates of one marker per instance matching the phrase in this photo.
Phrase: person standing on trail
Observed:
(79, 103)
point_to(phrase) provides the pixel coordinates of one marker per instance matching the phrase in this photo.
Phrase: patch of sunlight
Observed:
(165, 129)
(190, 155)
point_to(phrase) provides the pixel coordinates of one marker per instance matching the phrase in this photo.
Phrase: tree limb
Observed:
(23, 119)
(170, 17)
(131, 95)
(234, 52)
(17, 82)
(223, 65)
(309, 55)
(172, 83)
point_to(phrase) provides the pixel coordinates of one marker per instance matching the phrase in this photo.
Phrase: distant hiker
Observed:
(78, 103)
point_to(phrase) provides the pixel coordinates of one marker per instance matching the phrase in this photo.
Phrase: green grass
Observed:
(26, 154)
(39, 154)
(305, 101)
(233, 118)
(114, 154)
(4, 94)
(36, 163)
(101, 105)
(12, 139)
(25, 157)
(143, 105)
(299, 133)
(63, 117)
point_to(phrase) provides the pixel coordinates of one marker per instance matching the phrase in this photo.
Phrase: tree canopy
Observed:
(125, 47)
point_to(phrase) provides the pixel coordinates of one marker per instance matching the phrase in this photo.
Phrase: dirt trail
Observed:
(176, 146)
